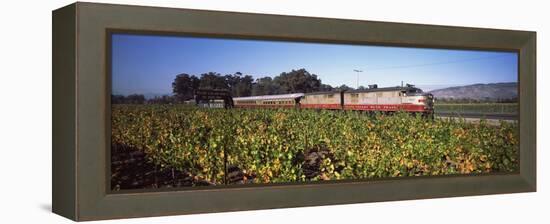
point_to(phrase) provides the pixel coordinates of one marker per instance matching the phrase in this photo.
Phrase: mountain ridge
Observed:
(480, 92)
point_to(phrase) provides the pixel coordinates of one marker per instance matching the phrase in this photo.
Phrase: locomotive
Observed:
(388, 99)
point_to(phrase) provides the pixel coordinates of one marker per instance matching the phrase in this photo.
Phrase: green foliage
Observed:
(297, 81)
(130, 99)
(184, 85)
(240, 85)
(271, 144)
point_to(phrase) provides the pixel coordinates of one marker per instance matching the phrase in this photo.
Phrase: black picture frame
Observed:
(81, 110)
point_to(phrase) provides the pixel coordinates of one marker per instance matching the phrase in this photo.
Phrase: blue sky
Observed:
(147, 64)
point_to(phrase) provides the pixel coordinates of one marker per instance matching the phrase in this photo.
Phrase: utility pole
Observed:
(357, 71)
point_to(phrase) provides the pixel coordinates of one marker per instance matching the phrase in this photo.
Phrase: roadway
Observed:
(478, 115)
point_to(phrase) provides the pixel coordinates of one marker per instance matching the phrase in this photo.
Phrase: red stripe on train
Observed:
(385, 107)
(321, 106)
(363, 107)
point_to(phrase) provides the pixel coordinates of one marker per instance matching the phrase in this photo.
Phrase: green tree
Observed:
(344, 88)
(325, 87)
(213, 80)
(265, 86)
(117, 99)
(244, 86)
(135, 99)
(130, 99)
(184, 86)
(239, 85)
(297, 81)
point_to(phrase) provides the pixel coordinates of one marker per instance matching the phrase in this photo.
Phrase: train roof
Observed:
(270, 97)
(324, 92)
(298, 95)
(384, 89)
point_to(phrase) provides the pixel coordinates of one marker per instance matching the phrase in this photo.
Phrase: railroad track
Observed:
(478, 115)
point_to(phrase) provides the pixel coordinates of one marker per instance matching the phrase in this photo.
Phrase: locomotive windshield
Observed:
(415, 90)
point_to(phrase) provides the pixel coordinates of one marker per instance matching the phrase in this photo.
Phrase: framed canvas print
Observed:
(161, 111)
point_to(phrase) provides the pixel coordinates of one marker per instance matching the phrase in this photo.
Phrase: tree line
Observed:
(238, 84)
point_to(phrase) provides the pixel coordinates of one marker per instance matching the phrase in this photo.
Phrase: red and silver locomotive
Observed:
(388, 99)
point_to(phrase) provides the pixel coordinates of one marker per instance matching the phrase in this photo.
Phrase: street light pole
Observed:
(357, 71)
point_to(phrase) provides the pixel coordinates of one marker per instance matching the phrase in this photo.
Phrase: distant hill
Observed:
(479, 92)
